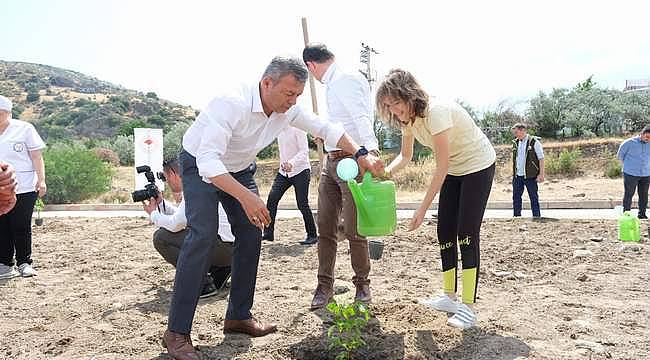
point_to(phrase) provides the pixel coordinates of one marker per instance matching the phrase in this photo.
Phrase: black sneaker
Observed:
(267, 237)
(310, 240)
(220, 275)
(643, 216)
(208, 290)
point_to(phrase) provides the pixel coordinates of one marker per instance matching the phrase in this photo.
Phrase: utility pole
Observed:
(365, 57)
(314, 101)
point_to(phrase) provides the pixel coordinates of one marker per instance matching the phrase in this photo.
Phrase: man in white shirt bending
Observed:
(219, 150)
(348, 105)
(295, 170)
(172, 222)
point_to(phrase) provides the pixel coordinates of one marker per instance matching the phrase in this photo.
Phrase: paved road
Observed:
(593, 214)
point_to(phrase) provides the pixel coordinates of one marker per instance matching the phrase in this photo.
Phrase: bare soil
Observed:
(103, 292)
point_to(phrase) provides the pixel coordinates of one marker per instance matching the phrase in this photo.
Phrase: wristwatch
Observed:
(361, 152)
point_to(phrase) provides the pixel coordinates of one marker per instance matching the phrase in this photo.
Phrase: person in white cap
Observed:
(21, 147)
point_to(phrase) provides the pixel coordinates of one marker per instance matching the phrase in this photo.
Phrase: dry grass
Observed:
(411, 182)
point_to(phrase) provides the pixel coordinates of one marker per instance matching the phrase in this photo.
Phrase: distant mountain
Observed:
(65, 104)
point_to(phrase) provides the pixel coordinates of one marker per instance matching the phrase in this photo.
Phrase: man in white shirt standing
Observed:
(295, 170)
(172, 222)
(348, 105)
(219, 150)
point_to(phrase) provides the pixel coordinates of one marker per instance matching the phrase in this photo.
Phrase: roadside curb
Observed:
(492, 205)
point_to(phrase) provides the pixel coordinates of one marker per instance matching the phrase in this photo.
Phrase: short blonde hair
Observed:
(401, 85)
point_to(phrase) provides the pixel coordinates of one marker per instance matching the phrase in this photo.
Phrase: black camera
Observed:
(150, 190)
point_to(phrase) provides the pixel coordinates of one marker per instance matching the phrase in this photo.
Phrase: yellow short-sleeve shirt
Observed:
(469, 149)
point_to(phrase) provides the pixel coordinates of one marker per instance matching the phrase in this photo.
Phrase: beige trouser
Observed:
(334, 197)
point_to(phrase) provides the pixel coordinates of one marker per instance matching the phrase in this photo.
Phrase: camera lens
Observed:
(140, 195)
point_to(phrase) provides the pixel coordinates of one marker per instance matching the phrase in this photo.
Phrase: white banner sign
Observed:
(148, 151)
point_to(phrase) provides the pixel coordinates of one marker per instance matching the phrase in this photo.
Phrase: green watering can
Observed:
(375, 201)
(629, 227)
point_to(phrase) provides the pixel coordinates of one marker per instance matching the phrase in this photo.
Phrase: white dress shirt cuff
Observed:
(210, 168)
(333, 134)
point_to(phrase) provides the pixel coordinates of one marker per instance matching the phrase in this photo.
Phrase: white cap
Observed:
(5, 104)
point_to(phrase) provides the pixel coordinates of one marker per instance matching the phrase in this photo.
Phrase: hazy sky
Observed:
(482, 51)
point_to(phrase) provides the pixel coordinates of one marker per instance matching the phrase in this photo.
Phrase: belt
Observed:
(338, 155)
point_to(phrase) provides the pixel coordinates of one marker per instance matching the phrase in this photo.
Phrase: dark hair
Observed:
(171, 165)
(519, 126)
(646, 129)
(281, 66)
(317, 53)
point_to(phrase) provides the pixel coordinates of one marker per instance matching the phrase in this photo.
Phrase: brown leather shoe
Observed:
(322, 297)
(363, 294)
(179, 346)
(251, 327)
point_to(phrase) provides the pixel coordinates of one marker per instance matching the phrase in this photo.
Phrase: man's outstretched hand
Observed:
(371, 163)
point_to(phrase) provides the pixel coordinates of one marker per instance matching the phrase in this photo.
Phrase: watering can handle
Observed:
(367, 177)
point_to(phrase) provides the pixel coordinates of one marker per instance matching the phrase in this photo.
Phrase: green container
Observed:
(629, 227)
(376, 208)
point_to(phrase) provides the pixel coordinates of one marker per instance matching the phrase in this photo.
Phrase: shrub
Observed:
(74, 174)
(269, 152)
(17, 110)
(173, 140)
(613, 168)
(564, 163)
(123, 146)
(33, 97)
(349, 321)
(127, 128)
(107, 156)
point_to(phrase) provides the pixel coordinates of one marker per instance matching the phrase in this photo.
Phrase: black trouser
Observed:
(300, 183)
(169, 244)
(460, 212)
(201, 204)
(632, 183)
(16, 231)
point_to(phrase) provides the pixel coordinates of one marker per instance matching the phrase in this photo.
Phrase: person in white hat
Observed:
(21, 147)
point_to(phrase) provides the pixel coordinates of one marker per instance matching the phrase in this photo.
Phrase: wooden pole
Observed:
(314, 101)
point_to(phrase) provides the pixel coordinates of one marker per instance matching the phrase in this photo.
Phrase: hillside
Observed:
(66, 104)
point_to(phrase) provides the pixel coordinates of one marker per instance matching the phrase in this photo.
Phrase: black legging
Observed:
(460, 212)
(16, 231)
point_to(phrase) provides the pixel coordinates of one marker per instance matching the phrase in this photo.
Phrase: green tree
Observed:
(74, 174)
(124, 148)
(549, 112)
(127, 128)
(173, 139)
(33, 97)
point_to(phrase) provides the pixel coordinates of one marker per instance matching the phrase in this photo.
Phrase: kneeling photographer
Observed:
(168, 240)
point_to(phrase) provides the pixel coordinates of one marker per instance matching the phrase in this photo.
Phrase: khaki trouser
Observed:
(334, 197)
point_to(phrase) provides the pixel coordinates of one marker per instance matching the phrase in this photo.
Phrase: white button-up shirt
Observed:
(294, 150)
(349, 104)
(233, 128)
(522, 150)
(173, 219)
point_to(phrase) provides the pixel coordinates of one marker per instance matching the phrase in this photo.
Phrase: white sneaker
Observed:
(441, 303)
(26, 270)
(8, 272)
(463, 319)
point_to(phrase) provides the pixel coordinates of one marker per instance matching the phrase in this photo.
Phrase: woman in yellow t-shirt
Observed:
(464, 171)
